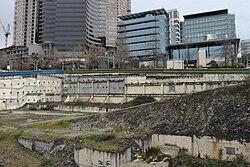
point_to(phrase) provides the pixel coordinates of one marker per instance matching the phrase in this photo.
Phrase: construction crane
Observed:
(6, 33)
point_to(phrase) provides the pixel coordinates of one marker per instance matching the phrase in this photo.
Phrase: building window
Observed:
(230, 150)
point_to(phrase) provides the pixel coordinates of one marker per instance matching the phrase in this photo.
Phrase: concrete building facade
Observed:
(17, 91)
(24, 22)
(105, 88)
(123, 8)
(175, 21)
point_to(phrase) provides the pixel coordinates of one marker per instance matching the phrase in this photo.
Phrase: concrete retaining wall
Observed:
(205, 146)
(85, 109)
(88, 157)
(40, 146)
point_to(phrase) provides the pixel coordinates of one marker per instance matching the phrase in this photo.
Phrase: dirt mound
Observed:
(223, 113)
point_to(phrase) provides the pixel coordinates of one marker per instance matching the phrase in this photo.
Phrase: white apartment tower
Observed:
(175, 21)
(24, 22)
(123, 7)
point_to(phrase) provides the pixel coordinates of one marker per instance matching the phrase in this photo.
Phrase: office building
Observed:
(60, 23)
(123, 8)
(24, 22)
(207, 26)
(245, 47)
(175, 21)
(206, 37)
(245, 52)
(76, 24)
(146, 34)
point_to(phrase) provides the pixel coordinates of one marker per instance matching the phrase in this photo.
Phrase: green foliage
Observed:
(152, 154)
(9, 137)
(220, 155)
(33, 106)
(103, 142)
(184, 159)
(213, 64)
(101, 137)
(140, 100)
(239, 161)
(62, 124)
(247, 80)
(137, 101)
(47, 162)
(2, 136)
(164, 71)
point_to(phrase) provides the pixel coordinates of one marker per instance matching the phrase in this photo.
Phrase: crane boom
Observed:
(6, 32)
(2, 26)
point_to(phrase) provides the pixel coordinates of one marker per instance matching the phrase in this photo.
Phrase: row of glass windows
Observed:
(210, 18)
(210, 24)
(147, 52)
(219, 34)
(210, 31)
(192, 53)
(139, 26)
(145, 45)
(142, 38)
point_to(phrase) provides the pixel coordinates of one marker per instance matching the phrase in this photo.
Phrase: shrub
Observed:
(247, 80)
(141, 100)
(46, 162)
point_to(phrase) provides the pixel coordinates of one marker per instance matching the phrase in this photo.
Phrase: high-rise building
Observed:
(123, 8)
(75, 24)
(207, 26)
(24, 22)
(175, 21)
(206, 38)
(146, 34)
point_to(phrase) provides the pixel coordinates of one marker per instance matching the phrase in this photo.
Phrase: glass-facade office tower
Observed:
(211, 25)
(245, 47)
(24, 22)
(76, 24)
(245, 52)
(146, 34)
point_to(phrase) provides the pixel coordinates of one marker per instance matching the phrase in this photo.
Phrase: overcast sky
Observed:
(241, 8)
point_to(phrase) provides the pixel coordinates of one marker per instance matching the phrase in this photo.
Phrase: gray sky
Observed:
(241, 8)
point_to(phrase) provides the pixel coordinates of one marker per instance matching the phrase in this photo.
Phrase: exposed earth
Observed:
(223, 113)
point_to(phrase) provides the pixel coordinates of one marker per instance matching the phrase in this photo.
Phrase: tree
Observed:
(3, 60)
(122, 53)
(228, 52)
(245, 55)
(93, 54)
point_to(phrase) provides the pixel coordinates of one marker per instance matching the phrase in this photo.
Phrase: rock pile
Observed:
(223, 113)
